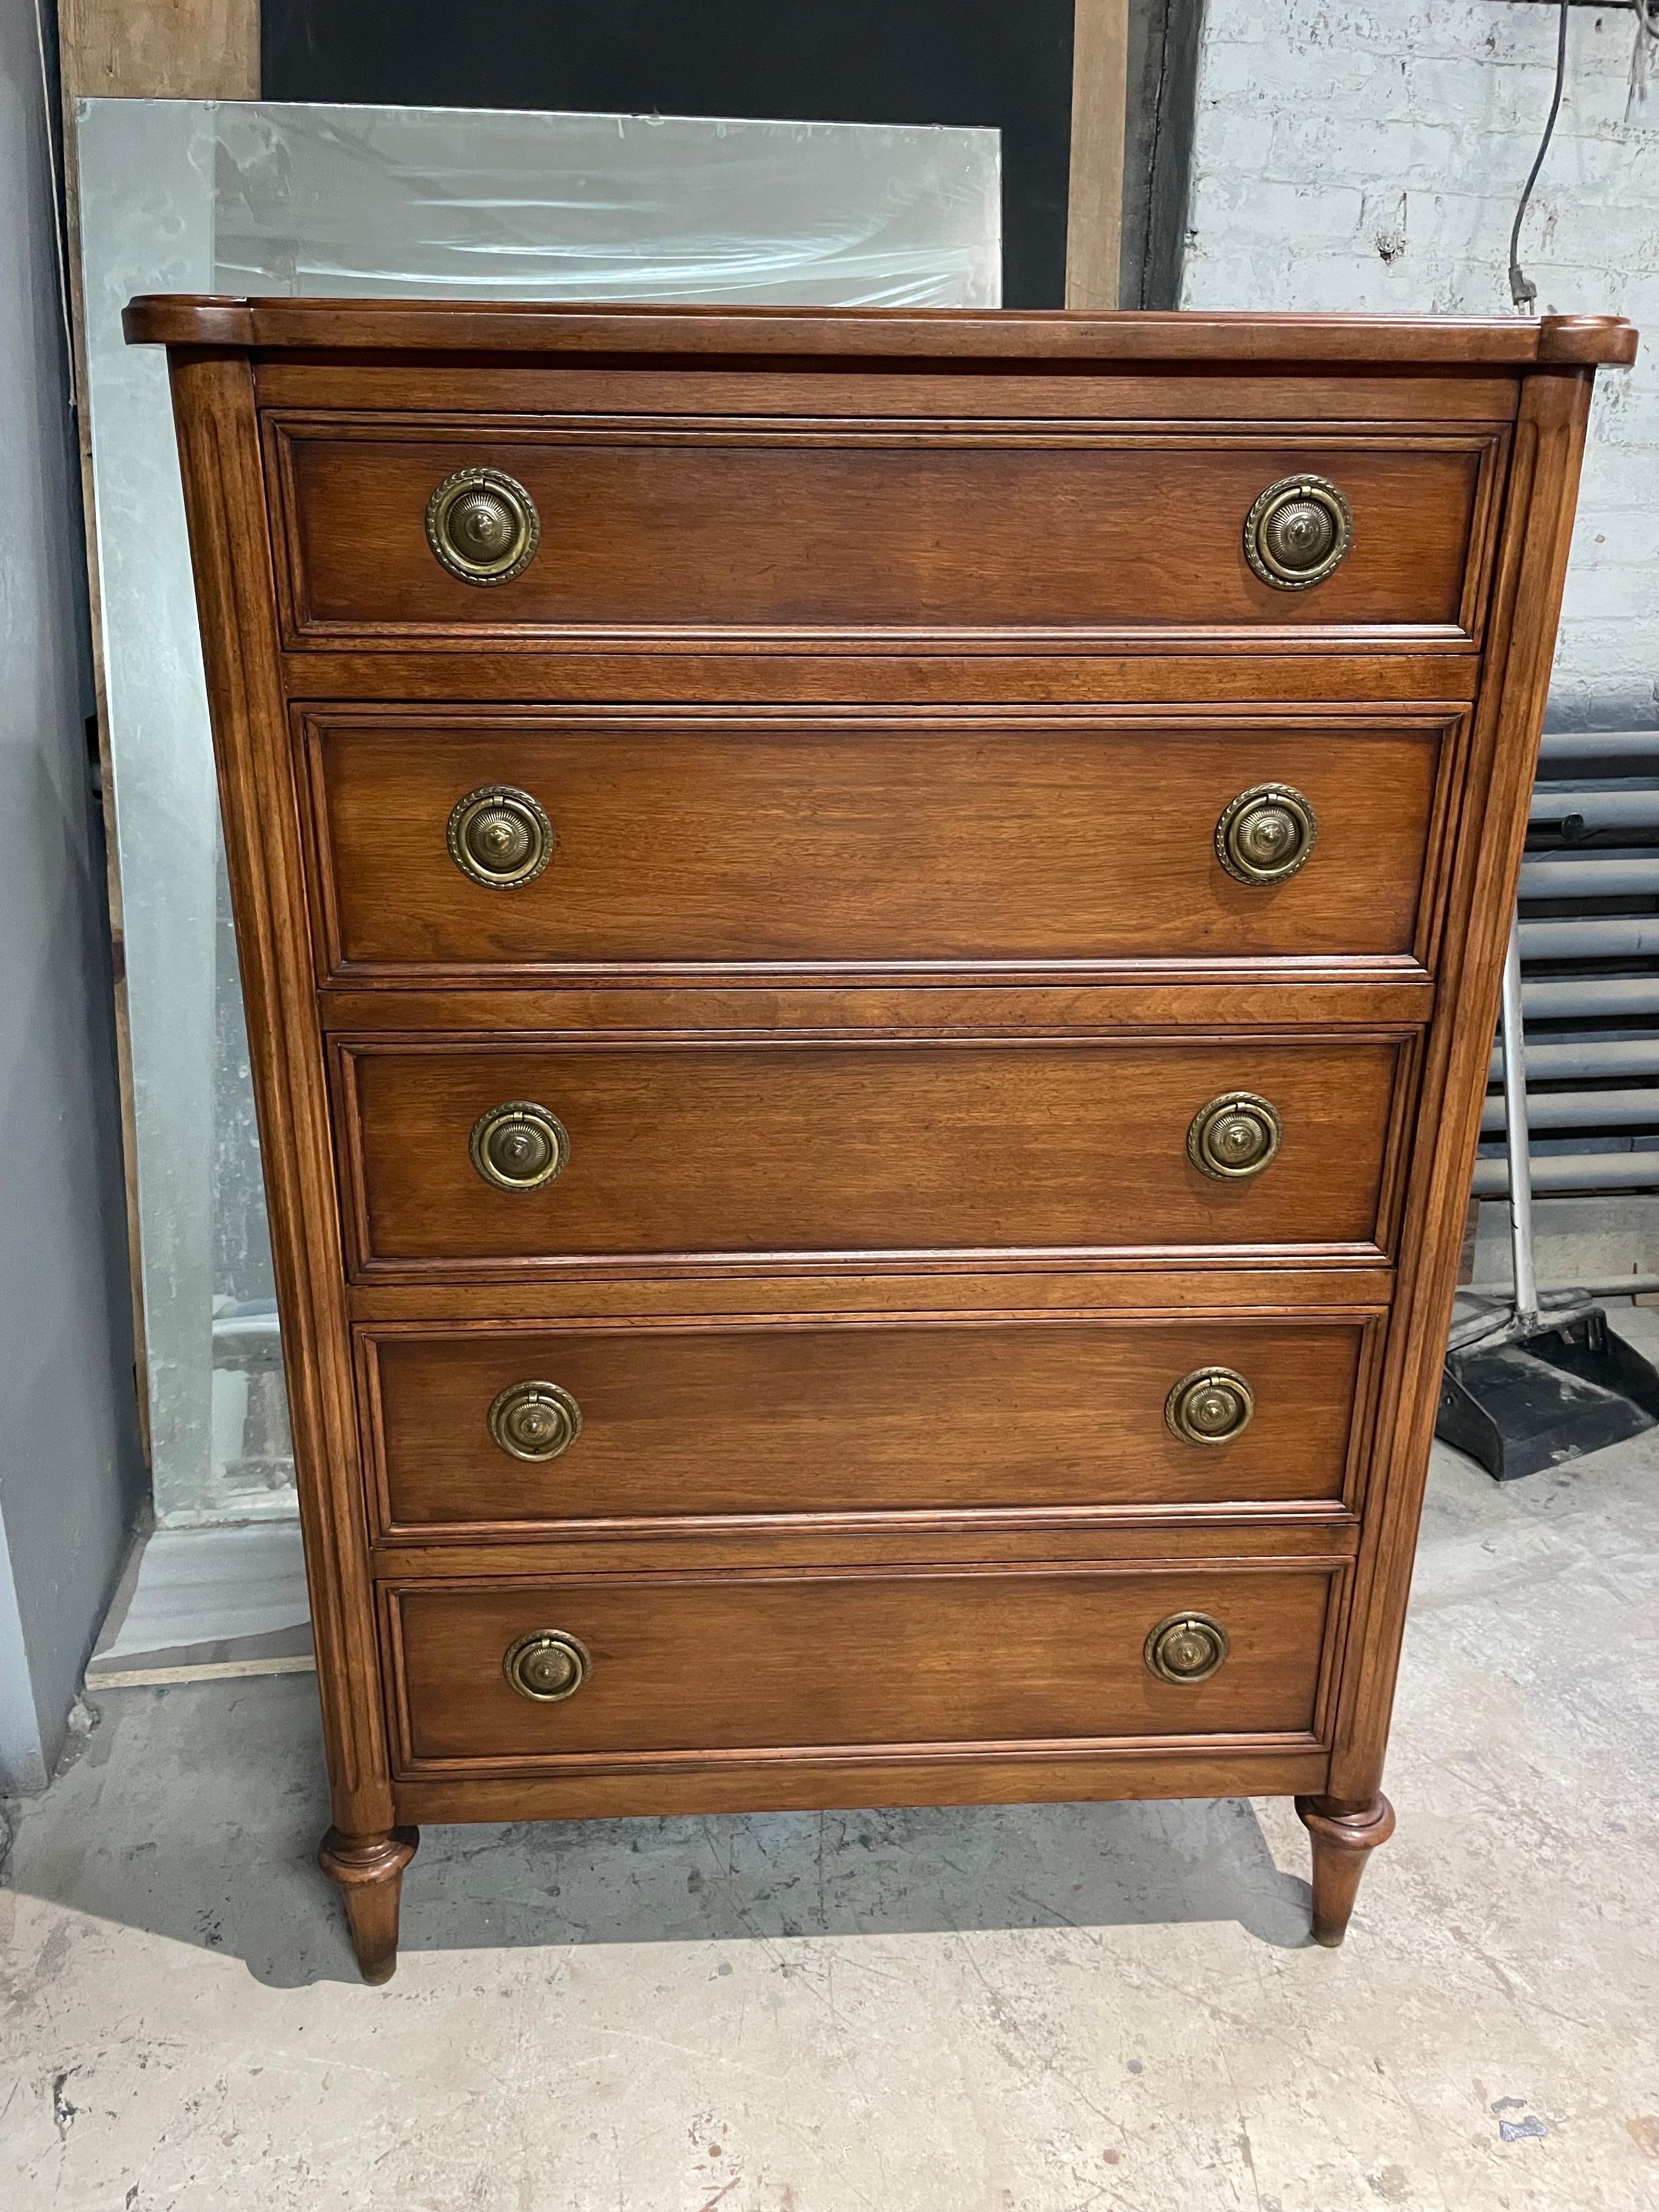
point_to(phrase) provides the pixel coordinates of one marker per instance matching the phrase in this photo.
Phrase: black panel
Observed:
(1170, 161)
(823, 61)
(1157, 153)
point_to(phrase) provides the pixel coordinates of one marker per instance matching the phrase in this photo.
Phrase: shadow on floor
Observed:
(196, 1810)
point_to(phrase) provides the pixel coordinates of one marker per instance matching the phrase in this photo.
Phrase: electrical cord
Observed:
(1523, 291)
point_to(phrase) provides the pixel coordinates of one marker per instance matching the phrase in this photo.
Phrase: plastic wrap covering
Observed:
(187, 195)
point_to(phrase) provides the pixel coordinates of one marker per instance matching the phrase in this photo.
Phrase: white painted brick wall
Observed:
(1371, 157)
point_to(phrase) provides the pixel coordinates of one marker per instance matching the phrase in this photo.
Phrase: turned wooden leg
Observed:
(1344, 1836)
(369, 1870)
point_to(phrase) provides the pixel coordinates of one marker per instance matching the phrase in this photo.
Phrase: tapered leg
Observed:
(369, 1870)
(1344, 1837)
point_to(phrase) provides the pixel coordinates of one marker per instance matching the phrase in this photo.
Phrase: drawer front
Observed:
(648, 526)
(709, 1149)
(550, 1425)
(759, 838)
(747, 1662)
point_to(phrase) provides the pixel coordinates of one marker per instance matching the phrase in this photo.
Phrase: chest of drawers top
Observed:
(951, 490)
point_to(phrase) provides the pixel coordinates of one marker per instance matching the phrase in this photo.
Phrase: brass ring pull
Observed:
(1298, 532)
(518, 1146)
(1188, 1647)
(500, 836)
(534, 1420)
(482, 525)
(547, 1665)
(1234, 1137)
(1211, 1405)
(1266, 834)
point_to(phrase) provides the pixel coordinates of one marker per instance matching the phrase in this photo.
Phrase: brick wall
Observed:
(1371, 157)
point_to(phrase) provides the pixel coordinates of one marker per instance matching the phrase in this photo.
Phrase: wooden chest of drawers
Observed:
(871, 943)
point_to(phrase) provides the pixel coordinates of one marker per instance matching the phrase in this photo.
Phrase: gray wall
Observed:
(71, 1477)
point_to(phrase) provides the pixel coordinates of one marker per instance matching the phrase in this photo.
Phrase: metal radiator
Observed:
(1589, 965)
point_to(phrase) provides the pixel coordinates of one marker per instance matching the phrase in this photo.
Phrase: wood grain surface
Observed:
(748, 1662)
(795, 1419)
(1229, 342)
(224, 502)
(550, 382)
(908, 1146)
(760, 838)
(843, 528)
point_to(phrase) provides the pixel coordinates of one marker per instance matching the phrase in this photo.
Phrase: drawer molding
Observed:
(812, 1423)
(671, 826)
(416, 1210)
(396, 1541)
(1363, 998)
(1132, 1290)
(805, 1782)
(1083, 1750)
(512, 1602)
(886, 1543)
(979, 481)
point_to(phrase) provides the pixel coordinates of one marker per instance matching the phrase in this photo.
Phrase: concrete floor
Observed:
(1031, 2011)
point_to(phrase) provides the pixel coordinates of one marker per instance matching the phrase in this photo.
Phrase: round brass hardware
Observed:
(534, 1420)
(1298, 532)
(482, 525)
(1234, 1137)
(547, 1665)
(1266, 834)
(1188, 1647)
(1211, 1405)
(500, 836)
(518, 1146)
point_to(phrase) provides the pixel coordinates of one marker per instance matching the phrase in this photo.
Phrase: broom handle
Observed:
(1515, 1122)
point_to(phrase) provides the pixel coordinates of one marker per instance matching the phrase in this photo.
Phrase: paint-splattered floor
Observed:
(1021, 2011)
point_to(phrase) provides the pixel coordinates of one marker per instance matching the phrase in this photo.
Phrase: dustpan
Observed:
(1532, 1382)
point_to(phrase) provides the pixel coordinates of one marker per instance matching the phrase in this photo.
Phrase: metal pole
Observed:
(1622, 1286)
(1514, 1114)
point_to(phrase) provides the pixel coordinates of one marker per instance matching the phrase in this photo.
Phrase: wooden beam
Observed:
(159, 49)
(1094, 221)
